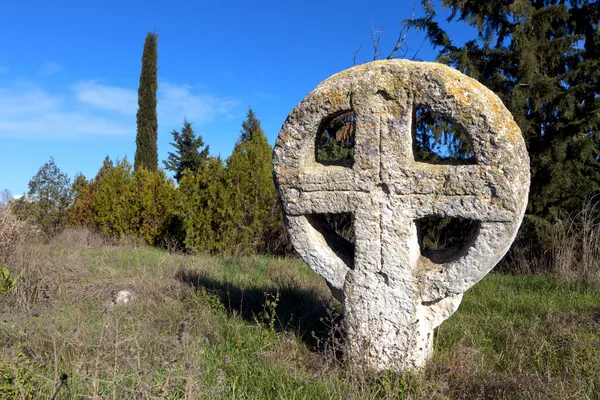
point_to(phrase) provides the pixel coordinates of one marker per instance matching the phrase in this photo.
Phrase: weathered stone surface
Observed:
(124, 297)
(393, 297)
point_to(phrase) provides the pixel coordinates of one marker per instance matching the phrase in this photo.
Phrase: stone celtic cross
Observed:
(393, 296)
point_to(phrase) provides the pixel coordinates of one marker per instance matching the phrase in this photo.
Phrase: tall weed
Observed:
(12, 234)
(576, 243)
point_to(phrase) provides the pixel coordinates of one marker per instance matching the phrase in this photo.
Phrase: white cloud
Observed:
(92, 109)
(111, 98)
(34, 113)
(50, 68)
(176, 102)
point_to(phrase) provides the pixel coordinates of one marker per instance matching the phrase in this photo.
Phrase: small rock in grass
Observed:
(124, 297)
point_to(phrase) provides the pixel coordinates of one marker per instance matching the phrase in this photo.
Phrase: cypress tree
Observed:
(146, 153)
(187, 154)
(542, 58)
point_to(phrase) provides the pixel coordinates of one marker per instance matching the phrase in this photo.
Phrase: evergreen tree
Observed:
(202, 208)
(542, 58)
(48, 199)
(81, 213)
(187, 155)
(253, 208)
(112, 200)
(146, 153)
(249, 126)
(80, 185)
(151, 202)
(107, 165)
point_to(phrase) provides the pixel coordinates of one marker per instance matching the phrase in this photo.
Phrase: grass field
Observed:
(265, 328)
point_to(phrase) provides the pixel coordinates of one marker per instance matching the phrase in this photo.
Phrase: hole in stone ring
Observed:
(439, 140)
(338, 231)
(443, 239)
(335, 140)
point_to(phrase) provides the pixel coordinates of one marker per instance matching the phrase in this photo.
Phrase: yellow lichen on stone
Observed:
(337, 98)
(457, 90)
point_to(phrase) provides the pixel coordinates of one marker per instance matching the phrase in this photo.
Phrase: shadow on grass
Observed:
(300, 311)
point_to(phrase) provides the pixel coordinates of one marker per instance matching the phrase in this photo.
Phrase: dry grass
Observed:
(12, 234)
(576, 250)
(201, 327)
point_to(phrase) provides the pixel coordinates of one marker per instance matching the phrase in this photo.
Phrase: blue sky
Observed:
(69, 71)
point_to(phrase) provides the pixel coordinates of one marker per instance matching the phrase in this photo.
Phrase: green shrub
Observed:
(16, 379)
(47, 201)
(111, 203)
(151, 198)
(8, 281)
(202, 208)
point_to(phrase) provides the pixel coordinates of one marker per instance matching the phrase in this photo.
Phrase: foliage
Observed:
(47, 201)
(253, 207)
(137, 204)
(151, 196)
(146, 153)
(81, 213)
(269, 313)
(7, 281)
(335, 142)
(542, 59)
(111, 204)
(439, 139)
(187, 155)
(202, 208)
(80, 184)
(232, 208)
(16, 379)
(249, 126)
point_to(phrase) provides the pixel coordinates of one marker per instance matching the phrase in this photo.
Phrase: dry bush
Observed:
(524, 258)
(12, 234)
(129, 242)
(78, 238)
(576, 243)
(47, 270)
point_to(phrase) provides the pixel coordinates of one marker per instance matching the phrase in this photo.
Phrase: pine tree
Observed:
(146, 153)
(542, 58)
(187, 155)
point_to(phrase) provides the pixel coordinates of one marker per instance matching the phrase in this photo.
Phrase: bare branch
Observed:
(354, 56)
(419, 49)
(375, 39)
(401, 41)
(5, 198)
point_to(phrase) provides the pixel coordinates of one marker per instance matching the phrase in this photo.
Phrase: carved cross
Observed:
(393, 297)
